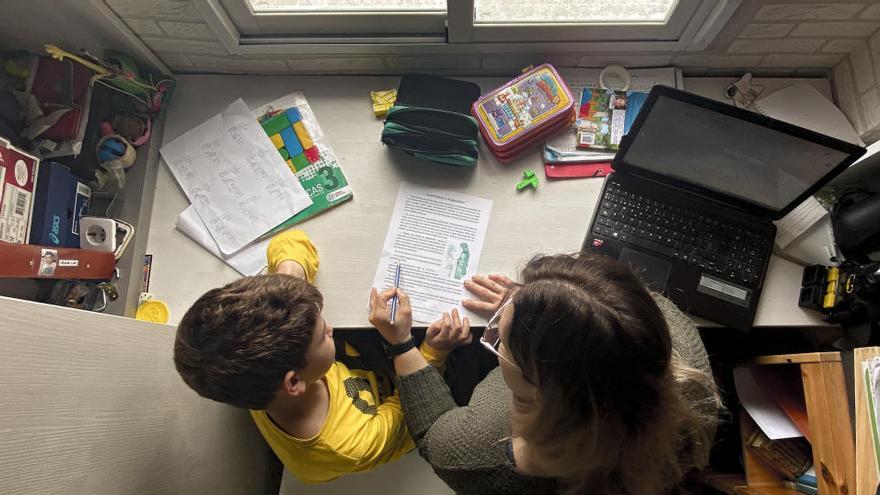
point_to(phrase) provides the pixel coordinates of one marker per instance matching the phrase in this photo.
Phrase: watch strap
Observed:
(398, 349)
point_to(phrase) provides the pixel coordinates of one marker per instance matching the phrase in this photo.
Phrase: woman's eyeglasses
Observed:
(491, 338)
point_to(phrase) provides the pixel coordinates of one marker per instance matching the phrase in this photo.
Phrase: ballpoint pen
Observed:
(394, 299)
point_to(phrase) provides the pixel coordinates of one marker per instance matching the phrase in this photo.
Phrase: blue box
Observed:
(60, 200)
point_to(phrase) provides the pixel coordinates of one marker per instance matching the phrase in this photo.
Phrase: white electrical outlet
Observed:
(97, 234)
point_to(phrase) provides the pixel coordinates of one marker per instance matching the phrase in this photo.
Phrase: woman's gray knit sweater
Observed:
(468, 447)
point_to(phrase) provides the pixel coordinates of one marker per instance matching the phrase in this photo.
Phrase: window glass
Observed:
(347, 5)
(569, 11)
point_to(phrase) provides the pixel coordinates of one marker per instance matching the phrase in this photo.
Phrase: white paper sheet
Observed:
(803, 105)
(234, 177)
(436, 236)
(249, 260)
(767, 414)
(798, 221)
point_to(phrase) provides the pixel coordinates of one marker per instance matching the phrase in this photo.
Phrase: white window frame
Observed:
(344, 26)
(692, 26)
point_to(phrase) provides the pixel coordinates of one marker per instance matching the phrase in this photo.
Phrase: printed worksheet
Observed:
(234, 177)
(436, 236)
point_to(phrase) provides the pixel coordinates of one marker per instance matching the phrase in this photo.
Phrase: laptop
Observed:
(695, 188)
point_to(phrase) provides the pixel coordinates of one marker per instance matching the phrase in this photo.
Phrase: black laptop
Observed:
(695, 188)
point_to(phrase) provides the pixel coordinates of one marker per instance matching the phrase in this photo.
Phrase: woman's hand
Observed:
(449, 332)
(489, 291)
(380, 315)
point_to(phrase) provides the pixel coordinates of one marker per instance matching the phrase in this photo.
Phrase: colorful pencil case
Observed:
(524, 112)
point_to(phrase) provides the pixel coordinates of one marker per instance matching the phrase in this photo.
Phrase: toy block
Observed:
(291, 142)
(275, 124)
(284, 153)
(304, 138)
(312, 154)
(291, 166)
(300, 162)
(293, 115)
(383, 101)
(529, 179)
(277, 141)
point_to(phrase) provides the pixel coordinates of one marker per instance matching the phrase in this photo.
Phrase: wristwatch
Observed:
(398, 349)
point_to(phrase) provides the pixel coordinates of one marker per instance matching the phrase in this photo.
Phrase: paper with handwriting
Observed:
(234, 177)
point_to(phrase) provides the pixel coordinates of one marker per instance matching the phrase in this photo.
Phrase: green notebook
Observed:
(292, 127)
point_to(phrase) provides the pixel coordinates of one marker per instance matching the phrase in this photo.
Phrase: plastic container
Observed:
(524, 112)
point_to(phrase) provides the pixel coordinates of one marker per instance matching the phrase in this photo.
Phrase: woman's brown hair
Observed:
(611, 414)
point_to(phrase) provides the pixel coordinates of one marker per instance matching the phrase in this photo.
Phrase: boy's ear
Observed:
(292, 385)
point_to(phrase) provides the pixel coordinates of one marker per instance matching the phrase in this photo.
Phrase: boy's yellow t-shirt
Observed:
(360, 433)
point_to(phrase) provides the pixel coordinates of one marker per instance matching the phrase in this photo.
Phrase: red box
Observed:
(18, 177)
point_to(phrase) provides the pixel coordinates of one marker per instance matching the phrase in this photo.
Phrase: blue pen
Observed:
(394, 299)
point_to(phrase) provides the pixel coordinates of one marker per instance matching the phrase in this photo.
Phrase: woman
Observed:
(602, 387)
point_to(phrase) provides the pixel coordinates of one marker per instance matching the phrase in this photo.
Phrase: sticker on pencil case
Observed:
(516, 108)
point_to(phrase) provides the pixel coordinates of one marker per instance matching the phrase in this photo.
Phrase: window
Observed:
(656, 24)
(577, 20)
(370, 20)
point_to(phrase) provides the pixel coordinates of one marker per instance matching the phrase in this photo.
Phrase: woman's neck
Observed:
(520, 416)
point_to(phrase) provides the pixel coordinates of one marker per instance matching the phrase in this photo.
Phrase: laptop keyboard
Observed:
(716, 246)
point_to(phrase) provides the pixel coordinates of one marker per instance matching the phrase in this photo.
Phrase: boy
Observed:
(261, 343)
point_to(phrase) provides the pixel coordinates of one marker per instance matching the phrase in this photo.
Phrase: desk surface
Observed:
(349, 237)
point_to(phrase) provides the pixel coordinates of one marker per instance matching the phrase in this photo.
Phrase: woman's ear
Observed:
(291, 384)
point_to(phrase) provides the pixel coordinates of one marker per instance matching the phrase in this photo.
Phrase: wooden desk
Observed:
(349, 238)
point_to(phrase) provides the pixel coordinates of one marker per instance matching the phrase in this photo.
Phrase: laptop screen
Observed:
(726, 154)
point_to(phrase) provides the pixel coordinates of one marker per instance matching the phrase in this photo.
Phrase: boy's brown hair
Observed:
(236, 343)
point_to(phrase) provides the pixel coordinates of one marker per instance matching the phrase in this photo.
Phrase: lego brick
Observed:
(312, 154)
(291, 142)
(291, 166)
(304, 138)
(300, 162)
(284, 153)
(277, 141)
(276, 124)
(293, 115)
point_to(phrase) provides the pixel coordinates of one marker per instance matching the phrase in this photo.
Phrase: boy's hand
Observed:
(449, 332)
(380, 315)
(490, 292)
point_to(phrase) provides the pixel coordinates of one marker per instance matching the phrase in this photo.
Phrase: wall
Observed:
(71, 24)
(768, 37)
(92, 403)
(857, 83)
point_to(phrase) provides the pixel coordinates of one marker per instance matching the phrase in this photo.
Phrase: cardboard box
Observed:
(60, 201)
(18, 177)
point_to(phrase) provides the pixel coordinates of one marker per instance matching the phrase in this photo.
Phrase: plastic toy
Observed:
(290, 137)
(383, 101)
(529, 179)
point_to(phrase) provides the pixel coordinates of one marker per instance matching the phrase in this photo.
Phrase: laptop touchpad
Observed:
(653, 271)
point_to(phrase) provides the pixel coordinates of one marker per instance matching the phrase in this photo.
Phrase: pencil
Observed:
(394, 299)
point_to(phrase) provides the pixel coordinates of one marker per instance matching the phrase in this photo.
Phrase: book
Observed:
(577, 170)
(584, 85)
(792, 457)
(319, 173)
(809, 490)
(317, 170)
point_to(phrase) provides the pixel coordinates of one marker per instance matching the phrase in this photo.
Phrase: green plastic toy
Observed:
(529, 179)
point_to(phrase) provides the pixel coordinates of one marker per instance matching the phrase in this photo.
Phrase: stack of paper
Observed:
(238, 184)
